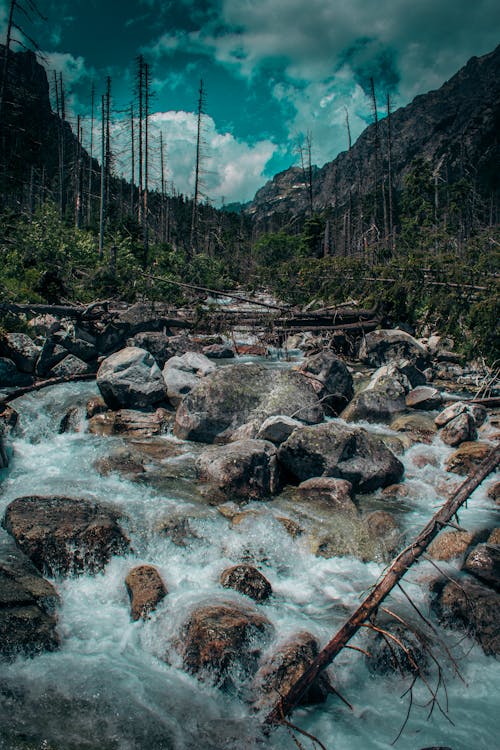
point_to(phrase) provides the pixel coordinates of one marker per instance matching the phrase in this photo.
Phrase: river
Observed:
(108, 686)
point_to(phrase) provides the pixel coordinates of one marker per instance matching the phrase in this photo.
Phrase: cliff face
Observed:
(455, 128)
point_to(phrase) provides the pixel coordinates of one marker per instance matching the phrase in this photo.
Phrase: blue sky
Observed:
(272, 69)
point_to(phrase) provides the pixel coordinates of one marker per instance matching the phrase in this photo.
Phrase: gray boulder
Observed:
(381, 401)
(459, 430)
(424, 397)
(161, 346)
(380, 347)
(233, 395)
(10, 377)
(476, 411)
(247, 580)
(243, 470)
(69, 367)
(182, 373)
(64, 535)
(21, 349)
(27, 603)
(331, 380)
(277, 429)
(337, 450)
(131, 378)
(484, 563)
(51, 354)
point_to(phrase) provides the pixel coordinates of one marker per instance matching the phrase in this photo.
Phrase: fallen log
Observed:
(491, 402)
(39, 384)
(392, 576)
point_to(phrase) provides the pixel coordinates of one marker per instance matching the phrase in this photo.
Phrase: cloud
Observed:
(231, 169)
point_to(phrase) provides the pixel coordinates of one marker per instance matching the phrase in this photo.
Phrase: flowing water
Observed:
(109, 687)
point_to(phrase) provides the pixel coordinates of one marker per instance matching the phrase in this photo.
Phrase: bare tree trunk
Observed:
(102, 213)
(389, 172)
(145, 217)
(132, 160)
(91, 156)
(396, 571)
(140, 73)
(194, 217)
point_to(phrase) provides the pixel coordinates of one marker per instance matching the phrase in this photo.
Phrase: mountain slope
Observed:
(454, 128)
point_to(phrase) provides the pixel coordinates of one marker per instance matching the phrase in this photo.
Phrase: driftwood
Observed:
(67, 311)
(39, 384)
(490, 402)
(394, 573)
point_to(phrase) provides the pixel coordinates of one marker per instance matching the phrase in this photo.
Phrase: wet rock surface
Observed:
(131, 423)
(145, 589)
(247, 580)
(245, 469)
(21, 349)
(381, 401)
(182, 373)
(27, 606)
(483, 563)
(467, 457)
(63, 535)
(331, 380)
(221, 640)
(380, 347)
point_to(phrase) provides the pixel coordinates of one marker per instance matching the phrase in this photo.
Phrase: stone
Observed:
(380, 347)
(476, 411)
(471, 606)
(341, 451)
(182, 373)
(243, 470)
(21, 349)
(494, 537)
(223, 639)
(283, 667)
(331, 380)
(451, 544)
(381, 401)
(467, 458)
(420, 425)
(218, 351)
(401, 370)
(178, 530)
(145, 589)
(95, 405)
(247, 580)
(483, 562)
(131, 379)
(64, 535)
(27, 606)
(142, 317)
(236, 394)
(131, 423)
(69, 367)
(459, 430)
(51, 354)
(162, 346)
(10, 377)
(424, 397)
(277, 428)
(82, 348)
(336, 493)
(71, 421)
(494, 492)
(389, 657)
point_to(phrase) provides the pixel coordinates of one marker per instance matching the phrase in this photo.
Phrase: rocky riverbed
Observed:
(181, 536)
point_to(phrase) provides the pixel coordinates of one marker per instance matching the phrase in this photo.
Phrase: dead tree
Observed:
(145, 216)
(389, 172)
(91, 156)
(102, 204)
(140, 95)
(380, 591)
(197, 175)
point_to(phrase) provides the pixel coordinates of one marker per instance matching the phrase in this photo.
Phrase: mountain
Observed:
(455, 129)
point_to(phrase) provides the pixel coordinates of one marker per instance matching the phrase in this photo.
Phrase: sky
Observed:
(273, 71)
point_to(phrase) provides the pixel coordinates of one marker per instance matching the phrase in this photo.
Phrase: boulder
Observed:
(277, 429)
(27, 604)
(10, 377)
(131, 423)
(450, 544)
(248, 581)
(69, 367)
(221, 639)
(145, 589)
(379, 402)
(468, 604)
(218, 351)
(387, 656)
(8, 420)
(182, 373)
(476, 411)
(424, 397)
(380, 347)
(401, 370)
(494, 492)
(337, 450)
(283, 667)
(162, 346)
(484, 563)
(331, 380)
(494, 537)
(336, 493)
(138, 318)
(459, 430)
(467, 458)
(179, 530)
(71, 421)
(421, 426)
(245, 469)
(83, 348)
(21, 349)
(95, 405)
(51, 354)
(131, 378)
(233, 395)
(64, 535)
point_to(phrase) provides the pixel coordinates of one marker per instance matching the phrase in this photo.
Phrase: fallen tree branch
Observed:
(39, 384)
(395, 572)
